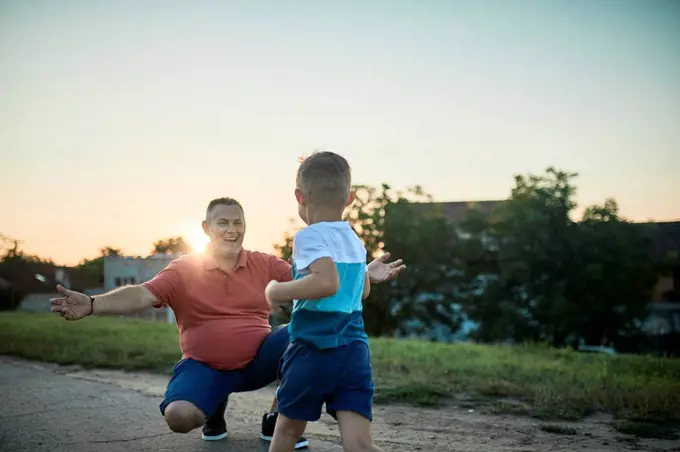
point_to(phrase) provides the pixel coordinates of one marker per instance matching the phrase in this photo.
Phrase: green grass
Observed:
(534, 380)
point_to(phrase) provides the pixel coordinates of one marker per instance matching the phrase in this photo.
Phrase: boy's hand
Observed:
(379, 270)
(268, 293)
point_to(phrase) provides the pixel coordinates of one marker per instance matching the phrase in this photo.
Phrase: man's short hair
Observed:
(325, 179)
(221, 202)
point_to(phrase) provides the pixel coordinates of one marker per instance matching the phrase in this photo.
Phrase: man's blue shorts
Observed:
(339, 377)
(206, 388)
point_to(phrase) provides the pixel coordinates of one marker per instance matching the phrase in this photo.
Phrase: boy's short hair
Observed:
(325, 179)
(221, 202)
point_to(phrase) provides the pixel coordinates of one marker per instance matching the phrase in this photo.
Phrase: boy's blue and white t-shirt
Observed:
(333, 321)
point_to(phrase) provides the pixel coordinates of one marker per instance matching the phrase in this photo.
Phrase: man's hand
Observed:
(380, 271)
(73, 305)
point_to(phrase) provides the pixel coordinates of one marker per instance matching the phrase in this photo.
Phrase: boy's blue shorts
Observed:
(339, 377)
(206, 387)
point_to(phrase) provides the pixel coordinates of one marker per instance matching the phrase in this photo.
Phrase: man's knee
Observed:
(183, 417)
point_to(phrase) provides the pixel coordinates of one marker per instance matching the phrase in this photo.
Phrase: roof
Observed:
(38, 277)
(665, 235)
(458, 211)
(152, 257)
(455, 212)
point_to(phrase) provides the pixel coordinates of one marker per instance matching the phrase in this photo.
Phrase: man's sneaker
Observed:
(268, 424)
(214, 431)
(215, 427)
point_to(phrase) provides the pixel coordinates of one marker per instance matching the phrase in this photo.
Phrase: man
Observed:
(223, 320)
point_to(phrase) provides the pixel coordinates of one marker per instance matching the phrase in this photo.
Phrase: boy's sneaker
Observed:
(268, 424)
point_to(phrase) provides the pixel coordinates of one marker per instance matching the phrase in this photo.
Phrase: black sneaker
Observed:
(268, 424)
(214, 431)
(215, 427)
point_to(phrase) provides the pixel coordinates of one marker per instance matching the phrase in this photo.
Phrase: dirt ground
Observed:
(462, 427)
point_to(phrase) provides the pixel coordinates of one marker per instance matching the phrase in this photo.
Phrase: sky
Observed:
(121, 120)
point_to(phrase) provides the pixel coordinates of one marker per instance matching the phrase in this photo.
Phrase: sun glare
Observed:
(198, 240)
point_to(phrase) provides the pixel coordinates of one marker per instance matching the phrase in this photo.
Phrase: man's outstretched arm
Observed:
(162, 289)
(124, 300)
(74, 305)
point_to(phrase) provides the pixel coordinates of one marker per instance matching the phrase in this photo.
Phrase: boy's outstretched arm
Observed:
(321, 282)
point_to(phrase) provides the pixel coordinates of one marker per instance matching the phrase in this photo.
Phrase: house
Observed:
(28, 286)
(125, 270)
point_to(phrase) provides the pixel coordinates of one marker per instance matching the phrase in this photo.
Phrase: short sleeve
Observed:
(280, 270)
(309, 245)
(166, 285)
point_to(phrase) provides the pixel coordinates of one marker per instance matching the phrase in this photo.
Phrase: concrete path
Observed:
(46, 407)
(43, 411)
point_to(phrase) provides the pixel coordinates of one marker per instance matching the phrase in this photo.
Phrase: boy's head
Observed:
(323, 187)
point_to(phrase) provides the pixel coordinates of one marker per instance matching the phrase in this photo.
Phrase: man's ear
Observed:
(350, 200)
(205, 227)
(300, 197)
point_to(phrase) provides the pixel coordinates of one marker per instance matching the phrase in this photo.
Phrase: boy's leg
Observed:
(352, 401)
(305, 377)
(355, 432)
(263, 371)
(286, 434)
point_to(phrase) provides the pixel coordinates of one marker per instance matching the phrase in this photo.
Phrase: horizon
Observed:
(125, 120)
(199, 244)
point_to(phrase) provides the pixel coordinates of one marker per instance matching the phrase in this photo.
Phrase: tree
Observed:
(12, 253)
(95, 266)
(412, 228)
(616, 278)
(285, 250)
(423, 299)
(14, 260)
(533, 273)
(171, 245)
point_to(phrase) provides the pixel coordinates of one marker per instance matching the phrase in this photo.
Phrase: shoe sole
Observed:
(301, 445)
(298, 445)
(214, 438)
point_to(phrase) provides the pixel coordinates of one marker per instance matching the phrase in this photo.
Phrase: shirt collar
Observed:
(210, 263)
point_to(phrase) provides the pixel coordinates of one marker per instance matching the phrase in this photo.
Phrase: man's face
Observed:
(226, 228)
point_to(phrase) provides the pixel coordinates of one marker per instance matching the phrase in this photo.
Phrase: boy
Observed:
(328, 360)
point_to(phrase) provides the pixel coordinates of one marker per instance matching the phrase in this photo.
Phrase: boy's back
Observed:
(336, 320)
(328, 361)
